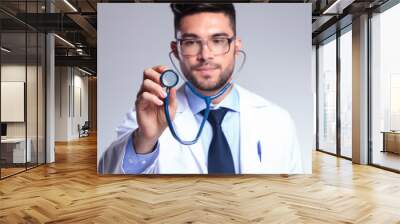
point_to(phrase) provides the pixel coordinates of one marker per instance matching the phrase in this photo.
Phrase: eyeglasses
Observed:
(217, 45)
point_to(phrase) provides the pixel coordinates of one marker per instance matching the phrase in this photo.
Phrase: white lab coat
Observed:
(268, 142)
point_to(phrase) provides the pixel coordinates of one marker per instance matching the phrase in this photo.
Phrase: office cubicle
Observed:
(22, 78)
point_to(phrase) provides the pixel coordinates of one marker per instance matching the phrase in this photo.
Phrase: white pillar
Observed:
(50, 91)
(360, 90)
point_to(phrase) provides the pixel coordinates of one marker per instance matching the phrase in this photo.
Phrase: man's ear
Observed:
(238, 45)
(174, 49)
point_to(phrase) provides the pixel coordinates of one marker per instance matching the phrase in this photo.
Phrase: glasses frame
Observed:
(179, 42)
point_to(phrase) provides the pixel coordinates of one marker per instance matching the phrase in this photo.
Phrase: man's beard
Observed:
(203, 86)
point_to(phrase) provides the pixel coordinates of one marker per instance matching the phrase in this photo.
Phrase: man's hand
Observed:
(150, 110)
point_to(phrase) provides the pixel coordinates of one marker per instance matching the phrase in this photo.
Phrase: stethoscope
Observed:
(170, 79)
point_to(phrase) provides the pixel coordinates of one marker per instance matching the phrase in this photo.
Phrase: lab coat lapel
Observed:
(186, 126)
(249, 139)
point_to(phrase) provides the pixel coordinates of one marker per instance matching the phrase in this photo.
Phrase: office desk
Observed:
(13, 150)
(391, 141)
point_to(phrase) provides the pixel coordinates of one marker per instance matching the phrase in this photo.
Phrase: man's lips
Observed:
(205, 68)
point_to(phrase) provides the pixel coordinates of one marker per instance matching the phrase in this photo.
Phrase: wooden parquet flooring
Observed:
(70, 191)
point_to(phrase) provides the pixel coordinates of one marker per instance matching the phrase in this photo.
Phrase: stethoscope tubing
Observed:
(207, 100)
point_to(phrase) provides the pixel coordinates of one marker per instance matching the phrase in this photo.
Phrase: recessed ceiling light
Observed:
(5, 50)
(337, 7)
(84, 71)
(70, 5)
(64, 40)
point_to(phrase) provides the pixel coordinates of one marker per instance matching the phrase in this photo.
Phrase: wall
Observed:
(71, 102)
(80, 109)
(62, 81)
(92, 87)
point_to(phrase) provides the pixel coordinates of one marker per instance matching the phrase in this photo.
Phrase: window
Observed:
(346, 93)
(385, 88)
(327, 96)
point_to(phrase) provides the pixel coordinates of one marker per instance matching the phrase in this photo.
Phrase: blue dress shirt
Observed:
(137, 163)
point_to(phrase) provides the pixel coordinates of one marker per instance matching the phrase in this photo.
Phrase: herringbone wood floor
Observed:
(70, 191)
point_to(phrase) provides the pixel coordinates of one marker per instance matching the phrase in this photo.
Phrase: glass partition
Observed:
(13, 109)
(22, 88)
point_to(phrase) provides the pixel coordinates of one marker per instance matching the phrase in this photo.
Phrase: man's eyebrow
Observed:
(192, 35)
(189, 35)
(220, 35)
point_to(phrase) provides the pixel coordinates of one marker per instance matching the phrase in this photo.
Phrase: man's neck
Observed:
(220, 98)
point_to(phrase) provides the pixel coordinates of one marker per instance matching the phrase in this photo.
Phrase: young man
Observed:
(244, 132)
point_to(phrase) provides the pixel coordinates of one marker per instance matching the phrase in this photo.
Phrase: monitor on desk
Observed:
(3, 130)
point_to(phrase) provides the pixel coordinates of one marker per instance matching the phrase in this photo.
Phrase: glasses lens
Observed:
(190, 47)
(219, 45)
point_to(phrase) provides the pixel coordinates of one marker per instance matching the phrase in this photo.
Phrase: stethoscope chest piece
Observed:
(169, 78)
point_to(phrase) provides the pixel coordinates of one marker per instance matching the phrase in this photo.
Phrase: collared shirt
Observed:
(137, 163)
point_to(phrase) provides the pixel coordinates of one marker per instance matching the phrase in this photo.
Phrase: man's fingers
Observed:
(154, 73)
(151, 89)
(151, 86)
(160, 68)
(150, 98)
(140, 91)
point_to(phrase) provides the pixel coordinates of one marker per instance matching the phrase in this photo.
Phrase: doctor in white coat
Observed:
(245, 134)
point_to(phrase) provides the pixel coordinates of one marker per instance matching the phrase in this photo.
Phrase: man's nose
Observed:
(205, 52)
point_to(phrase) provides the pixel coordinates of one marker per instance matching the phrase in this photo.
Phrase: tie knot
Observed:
(215, 117)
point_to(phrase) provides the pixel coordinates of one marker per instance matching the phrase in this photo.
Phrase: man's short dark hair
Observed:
(181, 10)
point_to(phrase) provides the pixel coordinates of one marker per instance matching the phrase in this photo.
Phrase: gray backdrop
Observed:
(276, 37)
